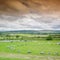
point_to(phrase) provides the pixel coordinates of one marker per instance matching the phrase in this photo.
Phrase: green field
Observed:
(31, 47)
(28, 48)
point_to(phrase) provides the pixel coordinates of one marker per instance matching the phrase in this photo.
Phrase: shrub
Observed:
(49, 37)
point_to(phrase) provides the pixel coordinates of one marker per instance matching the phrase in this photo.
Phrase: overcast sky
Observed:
(29, 15)
(29, 22)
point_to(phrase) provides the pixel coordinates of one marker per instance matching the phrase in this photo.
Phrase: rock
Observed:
(29, 52)
(49, 53)
(56, 53)
(42, 53)
(58, 43)
(18, 51)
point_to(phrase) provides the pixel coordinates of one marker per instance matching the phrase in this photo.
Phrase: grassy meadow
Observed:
(29, 47)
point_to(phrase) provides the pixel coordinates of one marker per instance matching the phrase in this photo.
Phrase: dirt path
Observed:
(29, 57)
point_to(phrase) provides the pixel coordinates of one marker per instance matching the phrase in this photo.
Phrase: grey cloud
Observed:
(29, 21)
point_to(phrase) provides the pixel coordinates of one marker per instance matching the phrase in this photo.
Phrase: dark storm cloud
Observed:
(30, 5)
(29, 18)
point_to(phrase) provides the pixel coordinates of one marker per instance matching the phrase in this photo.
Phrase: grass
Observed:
(31, 48)
(2, 58)
(34, 47)
(7, 58)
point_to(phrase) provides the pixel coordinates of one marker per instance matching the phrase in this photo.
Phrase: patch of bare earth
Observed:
(29, 57)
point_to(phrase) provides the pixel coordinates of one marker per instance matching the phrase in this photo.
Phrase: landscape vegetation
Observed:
(29, 29)
(29, 46)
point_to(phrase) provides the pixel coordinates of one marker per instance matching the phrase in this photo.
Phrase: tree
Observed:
(49, 37)
(8, 36)
(17, 36)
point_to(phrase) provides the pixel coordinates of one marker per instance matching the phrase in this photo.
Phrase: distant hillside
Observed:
(33, 31)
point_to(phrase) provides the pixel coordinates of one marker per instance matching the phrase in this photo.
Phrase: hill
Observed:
(32, 32)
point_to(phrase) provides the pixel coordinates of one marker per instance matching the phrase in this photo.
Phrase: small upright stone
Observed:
(18, 51)
(58, 43)
(42, 53)
(56, 53)
(29, 52)
(49, 53)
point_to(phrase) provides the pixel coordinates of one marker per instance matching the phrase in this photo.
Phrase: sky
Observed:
(29, 15)
(29, 22)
